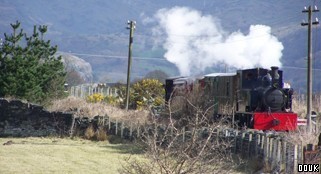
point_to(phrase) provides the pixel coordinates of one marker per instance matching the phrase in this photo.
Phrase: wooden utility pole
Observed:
(309, 10)
(131, 26)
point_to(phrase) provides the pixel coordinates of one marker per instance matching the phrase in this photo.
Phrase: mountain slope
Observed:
(99, 28)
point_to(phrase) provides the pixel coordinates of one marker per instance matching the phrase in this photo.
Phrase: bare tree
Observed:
(188, 143)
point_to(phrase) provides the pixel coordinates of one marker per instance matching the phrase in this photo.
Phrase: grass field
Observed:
(54, 155)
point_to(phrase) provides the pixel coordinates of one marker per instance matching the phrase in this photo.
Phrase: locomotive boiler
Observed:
(251, 98)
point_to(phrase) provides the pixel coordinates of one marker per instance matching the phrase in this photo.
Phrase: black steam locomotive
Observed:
(252, 98)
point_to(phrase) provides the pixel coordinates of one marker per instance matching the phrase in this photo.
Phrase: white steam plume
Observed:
(195, 42)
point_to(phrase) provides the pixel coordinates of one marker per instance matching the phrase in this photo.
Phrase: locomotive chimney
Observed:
(275, 76)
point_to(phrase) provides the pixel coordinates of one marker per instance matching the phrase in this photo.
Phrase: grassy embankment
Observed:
(54, 155)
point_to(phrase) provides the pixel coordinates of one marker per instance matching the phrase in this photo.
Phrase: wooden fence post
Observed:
(104, 117)
(266, 150)
(115, 94)
(235, 141)
(71, 133)
(184, 134)
(76, 91)
(300, 153)
(81, 92)
(295, 160)
(109, 123)
(262, 143)
(241, 143)
(274, 160)
(233, 118)
(249, 145)
(257, 143)
(283, 158)
(72, 91)
(121, 129)
(107, 91)
(116, 127)
(278, 153)
(131, 130)
(138, 130)
(270, 148)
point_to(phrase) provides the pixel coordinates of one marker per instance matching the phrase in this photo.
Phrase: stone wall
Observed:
(19, 119)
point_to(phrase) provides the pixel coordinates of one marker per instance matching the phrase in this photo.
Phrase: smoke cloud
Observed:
(194, 42)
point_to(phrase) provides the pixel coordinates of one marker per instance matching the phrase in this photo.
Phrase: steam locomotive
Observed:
(252, 98)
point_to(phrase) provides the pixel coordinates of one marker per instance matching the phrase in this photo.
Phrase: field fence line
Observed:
(84, 90)
(275, 151)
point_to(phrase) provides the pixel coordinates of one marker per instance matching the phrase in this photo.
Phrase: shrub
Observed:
(95, 98)
(111, 100)
(185, 143)
(101, 135)
(144, 94)
(89, 132)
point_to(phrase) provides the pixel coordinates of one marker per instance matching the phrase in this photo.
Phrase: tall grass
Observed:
(302, 136)
(299, 104)
(82, 108)
(98, 135)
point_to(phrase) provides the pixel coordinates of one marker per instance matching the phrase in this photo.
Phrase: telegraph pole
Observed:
(131, 26)
(309, 10)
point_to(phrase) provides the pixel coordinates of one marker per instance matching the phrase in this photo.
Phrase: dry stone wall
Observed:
(19, 119)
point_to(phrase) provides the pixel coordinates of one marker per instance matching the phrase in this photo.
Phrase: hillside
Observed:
(96, 31)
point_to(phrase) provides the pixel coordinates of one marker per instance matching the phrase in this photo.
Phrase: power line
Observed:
(303, 68)
(162, 59)
(117, 56)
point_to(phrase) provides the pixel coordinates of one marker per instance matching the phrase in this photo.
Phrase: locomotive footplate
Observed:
(278, 121)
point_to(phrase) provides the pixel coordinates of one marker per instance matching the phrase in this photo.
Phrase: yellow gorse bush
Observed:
(143, 94)
(148, 92)
(112, 100)
(95, 98)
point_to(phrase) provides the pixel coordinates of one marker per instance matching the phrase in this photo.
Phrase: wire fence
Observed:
(277, 153)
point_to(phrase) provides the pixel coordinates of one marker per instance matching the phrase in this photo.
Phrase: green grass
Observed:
(54, 155)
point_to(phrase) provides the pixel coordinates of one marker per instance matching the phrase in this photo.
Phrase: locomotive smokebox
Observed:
(275, 76)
